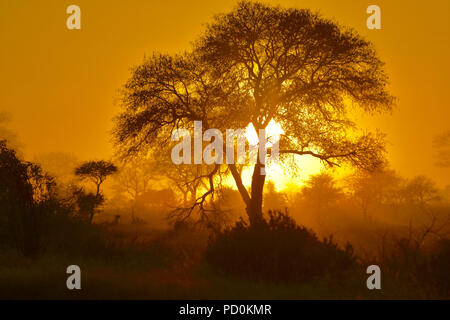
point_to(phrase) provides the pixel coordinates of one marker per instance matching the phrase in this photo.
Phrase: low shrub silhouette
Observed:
(277, 250)
(440, 266)
(433, 273)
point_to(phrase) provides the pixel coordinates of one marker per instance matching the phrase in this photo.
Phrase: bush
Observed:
(277, 250)
(68, 235)
(437, 273)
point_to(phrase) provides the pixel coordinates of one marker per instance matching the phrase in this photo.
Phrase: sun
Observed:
(282, 179)
(273, 131)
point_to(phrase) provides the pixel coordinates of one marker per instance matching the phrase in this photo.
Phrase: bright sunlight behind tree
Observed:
(255, 65)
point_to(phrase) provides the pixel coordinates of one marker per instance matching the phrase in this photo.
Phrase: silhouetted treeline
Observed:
(326, 229)
(38, 214)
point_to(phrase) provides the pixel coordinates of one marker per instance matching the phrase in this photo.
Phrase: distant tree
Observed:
(420, 191)
(158, 200)
(135, 177)
(446, 194)
(442, 144)
(320, 194)
(185, 179)
(253, 65)
(96, 172)
(274, 200)
(370, 190)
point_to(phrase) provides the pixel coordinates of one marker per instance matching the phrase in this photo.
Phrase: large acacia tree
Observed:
(256, 64)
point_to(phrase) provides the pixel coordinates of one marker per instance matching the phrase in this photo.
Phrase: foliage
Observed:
(439, 266)
(255, 65)
(25, 194)
(96, 171)
(88, 203)
(277, 250)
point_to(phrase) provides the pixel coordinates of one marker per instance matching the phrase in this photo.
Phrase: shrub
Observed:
(437, 275)
(277, 250)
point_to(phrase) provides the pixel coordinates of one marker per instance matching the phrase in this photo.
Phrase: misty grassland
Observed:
(157, 260)
(132, 241)
(164, 268)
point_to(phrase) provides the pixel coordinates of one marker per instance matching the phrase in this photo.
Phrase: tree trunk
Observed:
(91, 215)
(98, 189)
(97, 195)
(254, 201)
(254, 208)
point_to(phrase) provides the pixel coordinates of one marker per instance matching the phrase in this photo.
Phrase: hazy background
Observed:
(60, 86)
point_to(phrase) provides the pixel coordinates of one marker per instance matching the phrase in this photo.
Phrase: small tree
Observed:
(88, 203)
(97, 172)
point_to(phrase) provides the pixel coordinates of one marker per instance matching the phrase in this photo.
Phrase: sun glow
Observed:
(275, 171)
(273, 131)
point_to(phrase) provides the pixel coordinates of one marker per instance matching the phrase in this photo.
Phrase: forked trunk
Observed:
(254, 200)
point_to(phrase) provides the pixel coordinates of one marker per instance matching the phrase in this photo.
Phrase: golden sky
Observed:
(61, 86)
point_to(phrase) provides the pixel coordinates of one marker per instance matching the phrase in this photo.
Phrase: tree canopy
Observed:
(254, 65)
(96, 171)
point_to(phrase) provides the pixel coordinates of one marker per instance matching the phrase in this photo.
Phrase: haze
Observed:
(61, 86)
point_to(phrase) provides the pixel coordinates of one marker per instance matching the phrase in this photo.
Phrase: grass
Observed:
(164, 265)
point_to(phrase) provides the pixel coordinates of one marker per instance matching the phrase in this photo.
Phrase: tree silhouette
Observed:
(184, 178)
(88, 203)
(97, 172)
(25, 190)
(442, 145)
(373, 189)
(253, 65)
(274, 200)
(321, 192)
(420, 191)
(135, 178)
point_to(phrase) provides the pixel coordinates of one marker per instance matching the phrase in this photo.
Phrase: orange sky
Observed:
(60, 86)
